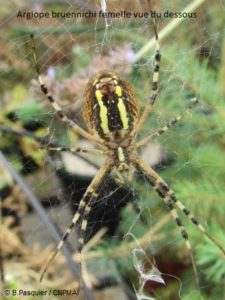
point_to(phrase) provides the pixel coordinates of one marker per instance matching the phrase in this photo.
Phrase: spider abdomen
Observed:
(110, 106)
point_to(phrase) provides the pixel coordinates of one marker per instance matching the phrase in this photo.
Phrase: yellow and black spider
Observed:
(111, 113)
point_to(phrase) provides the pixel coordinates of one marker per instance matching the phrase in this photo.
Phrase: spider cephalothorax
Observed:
(110, 107)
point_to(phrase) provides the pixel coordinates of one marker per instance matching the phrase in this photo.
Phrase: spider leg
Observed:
(168, 196)
(166, 127)
(154, 89)
(71, 149)
(47, 143)
(153, 179)
(85, 208)
(57, 107)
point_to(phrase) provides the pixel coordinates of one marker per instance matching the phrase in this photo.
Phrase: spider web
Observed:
(69, 51)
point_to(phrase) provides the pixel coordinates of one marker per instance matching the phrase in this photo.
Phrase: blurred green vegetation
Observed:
(193, 64)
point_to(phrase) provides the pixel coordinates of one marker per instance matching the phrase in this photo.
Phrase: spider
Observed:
(110, 109)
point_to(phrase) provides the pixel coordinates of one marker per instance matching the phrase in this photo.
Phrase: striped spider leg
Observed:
(154, 83)
(72, 149)
(57, 107)
(166, 127)
(168, 196)
(83, 210)
(46, 144)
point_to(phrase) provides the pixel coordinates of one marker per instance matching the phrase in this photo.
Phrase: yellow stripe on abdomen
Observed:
(123, 113)
(103, 113)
